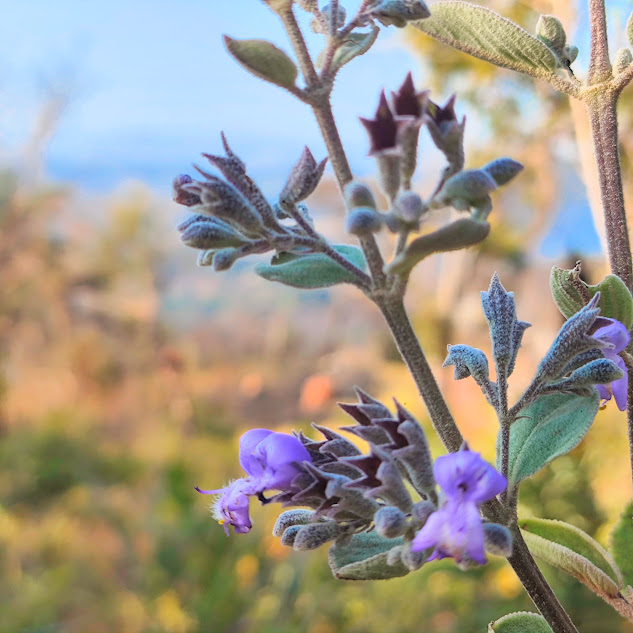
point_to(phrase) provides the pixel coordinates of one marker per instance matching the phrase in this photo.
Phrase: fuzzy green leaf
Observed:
(315, 270)
(264, 60)
(520, 622)
(549, 427)
(576, 540)
(622, 543)
(568, 548)
(365, 558)
(629, 29)
(615, 302)
(353, 45)
(487, 35)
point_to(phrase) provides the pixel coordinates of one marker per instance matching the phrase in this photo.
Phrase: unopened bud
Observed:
(291, 517)
(551, 32)
(390, 522)
(324, 28)
(225, 258)
(623, 59)
(303, 179)
(497, 539)
(316, 534)
(206, 258)
(363, 221)
(597, 372)
(289, 535)
(409, 207)
(211, 235)
(570, 52)
(358, 194)
(468, 361)
(503, 170)
(421, 511)
(412, 560)
(180, 195)
(471, 185)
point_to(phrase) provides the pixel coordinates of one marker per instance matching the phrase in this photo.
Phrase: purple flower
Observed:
(617, 337)
(464, 476)
(272, 461)
(455, 530)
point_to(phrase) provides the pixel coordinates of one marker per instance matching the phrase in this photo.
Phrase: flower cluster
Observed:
(364, 501)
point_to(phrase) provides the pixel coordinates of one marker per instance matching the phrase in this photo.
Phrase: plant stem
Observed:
(536, 586)
(604, 130)
(599, 64)
(398, 321)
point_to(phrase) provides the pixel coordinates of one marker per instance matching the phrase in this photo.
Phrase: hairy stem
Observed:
(604, 130)
(398, 321)
(599, 64)
(537, 587)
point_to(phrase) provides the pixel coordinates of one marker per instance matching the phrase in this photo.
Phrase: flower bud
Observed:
(468, 361)
(497, 539)
(357, 194)
(503, 170)
(181, 195)
(225, 258)
(291, 518)
(211, 235)
(623, 59)
(570, 52)
(421, 511)
(289, 535)
(390, 522)
(471, 185)
(316, 534)
(412, 560)
(551, 32)
(409, 208)
(363, 221)
(206, 258)
(317, 26)
(303, 179)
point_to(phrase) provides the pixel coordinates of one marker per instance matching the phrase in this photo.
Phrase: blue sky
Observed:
(151, 86)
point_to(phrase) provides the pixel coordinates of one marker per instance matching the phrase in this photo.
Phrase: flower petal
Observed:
(248, 444)
(614, 333)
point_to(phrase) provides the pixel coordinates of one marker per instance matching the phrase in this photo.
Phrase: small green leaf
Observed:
(353, 45)
(460, 234)
(365, 558)
(315, 270)
(576, 540)
(570, 549)
(521, 622)
(622, 543)
(487, 35)
(629, 29)
(264, 60)
(615, 302)
(547, 428)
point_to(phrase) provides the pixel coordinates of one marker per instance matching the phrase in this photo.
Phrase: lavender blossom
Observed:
(272, 460)
(456, 530)
(617, 337)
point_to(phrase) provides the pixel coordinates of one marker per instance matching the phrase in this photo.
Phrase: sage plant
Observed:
(390, 510)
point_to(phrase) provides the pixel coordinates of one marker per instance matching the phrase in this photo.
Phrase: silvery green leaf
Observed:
(353, 45)
(264, 60)
(629, 29)
(520, 622)
(570, 549)
(487, 35)
(622, 543)
(365, 558)
(315, 270)
(547, 428)
(460, 234)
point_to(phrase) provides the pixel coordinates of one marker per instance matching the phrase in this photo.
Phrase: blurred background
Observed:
(127, 374)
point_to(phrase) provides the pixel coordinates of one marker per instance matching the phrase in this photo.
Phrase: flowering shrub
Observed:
(380, 511)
